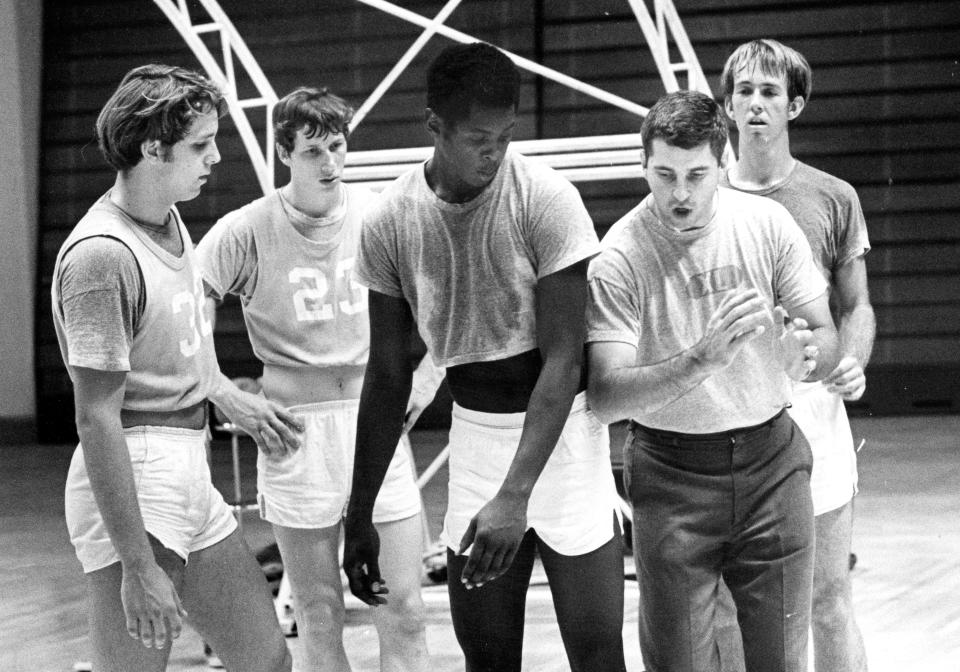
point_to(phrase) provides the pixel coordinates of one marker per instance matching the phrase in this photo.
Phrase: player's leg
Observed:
(400, 622)
(311, 561)
(229, 604)
(489, 620)
(837, 642)
(588, 597)
(114, 650)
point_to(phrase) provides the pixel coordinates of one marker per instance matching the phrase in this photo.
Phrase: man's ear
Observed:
(795, 107)
(728, 158)
(728, 108)
(643, 158)
(283, 155)
(152, 150)
(433, 121)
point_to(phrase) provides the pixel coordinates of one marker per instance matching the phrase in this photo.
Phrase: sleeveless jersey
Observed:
(172, 363)
(300, 303)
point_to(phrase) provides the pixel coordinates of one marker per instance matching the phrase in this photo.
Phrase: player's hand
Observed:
(495, 533)
(151, 606)
(797, 351)
(848, 379)
(361, 551)
(741, 316)
(275, 429)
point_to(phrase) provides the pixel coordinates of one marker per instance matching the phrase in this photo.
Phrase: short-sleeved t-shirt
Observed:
(828, 212)
(655, 288)
(469, 271)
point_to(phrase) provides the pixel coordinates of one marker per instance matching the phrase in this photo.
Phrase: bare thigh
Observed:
(113, 648)
(229, 604)
(401, 544)
(400, 622)
(311, 561)
(311, 558)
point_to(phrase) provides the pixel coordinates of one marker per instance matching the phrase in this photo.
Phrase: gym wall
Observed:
(882, 116)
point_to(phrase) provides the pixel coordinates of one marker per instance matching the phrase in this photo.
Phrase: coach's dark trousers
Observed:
(734, 504)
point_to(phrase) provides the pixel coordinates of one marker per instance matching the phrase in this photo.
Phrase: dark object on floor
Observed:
(271, 564)
(853, 560)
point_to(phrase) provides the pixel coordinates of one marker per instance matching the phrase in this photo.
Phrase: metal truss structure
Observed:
(579, 159)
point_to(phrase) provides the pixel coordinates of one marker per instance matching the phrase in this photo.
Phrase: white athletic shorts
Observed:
(179, 505)
(311, 488)
(574, 501)
(822, 418)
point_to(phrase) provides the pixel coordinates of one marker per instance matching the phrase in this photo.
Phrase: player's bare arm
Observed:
(858, 328)
(496, 531)
(817, 336)
(274, 428)
(150, 602)
(383, 403)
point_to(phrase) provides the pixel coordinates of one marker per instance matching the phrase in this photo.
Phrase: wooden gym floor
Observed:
(906, 582)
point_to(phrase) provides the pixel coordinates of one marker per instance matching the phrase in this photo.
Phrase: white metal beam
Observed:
(232, 45)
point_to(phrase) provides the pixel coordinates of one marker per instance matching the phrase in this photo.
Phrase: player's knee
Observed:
(322, 609)
(404, 615)
(282, 662)
(831, 604)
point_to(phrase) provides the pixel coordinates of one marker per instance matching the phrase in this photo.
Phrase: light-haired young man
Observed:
(686, 338)
(289, 256)
(156, 540)
(766, 85)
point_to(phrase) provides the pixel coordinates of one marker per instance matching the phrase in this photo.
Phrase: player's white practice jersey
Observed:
(172, 363)
(300, 303)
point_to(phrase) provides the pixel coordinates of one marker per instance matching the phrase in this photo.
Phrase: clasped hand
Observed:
(798, 353)
(848, 379)
(741, 316)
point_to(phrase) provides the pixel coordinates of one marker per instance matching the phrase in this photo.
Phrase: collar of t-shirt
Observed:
(323, 230)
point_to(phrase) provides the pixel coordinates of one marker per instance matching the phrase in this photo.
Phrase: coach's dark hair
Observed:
(315, 111)
(773, 58)
(153, 102)
(464, 75)
(685, 119)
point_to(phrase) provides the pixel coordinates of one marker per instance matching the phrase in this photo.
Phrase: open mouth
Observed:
(682, 212)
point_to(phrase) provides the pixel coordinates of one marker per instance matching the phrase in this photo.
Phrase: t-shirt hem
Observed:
(376, 287)
(807, 298)
(569, 260)
(476, 357)
(607, 336)
(99, 364)
(854, 254)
